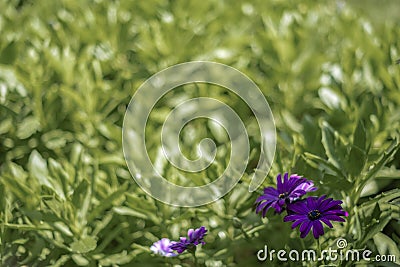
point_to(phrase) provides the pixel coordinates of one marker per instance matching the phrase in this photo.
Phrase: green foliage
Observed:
(69, 68)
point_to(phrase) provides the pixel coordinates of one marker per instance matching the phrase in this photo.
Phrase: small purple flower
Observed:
(162, 247)
(195, 237)
(287, 191)
(311, 212)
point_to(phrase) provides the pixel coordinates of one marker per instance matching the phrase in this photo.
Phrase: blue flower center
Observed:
(283, 195)
(314, 215)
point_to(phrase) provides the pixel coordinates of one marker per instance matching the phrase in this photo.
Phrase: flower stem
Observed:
(196, 263)
(319, 251)
(246, 236)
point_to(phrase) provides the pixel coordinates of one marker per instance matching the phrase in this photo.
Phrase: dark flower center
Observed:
(283, 195)
(314, 215)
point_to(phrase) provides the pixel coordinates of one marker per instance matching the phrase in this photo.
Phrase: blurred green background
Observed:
(69, 68)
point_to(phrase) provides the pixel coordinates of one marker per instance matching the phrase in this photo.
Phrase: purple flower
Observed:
(287, 191)
(162, 247)
(195, 237)
(311, 212)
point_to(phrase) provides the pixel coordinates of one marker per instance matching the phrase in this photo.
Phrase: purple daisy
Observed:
(287, 191)
(195, 237)
(162, 247)
(311, 212)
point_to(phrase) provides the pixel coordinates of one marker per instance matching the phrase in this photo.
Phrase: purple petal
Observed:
(326, 221)
(162, 247)
(305, 225)
(322, 199)
(311, 203)
(264, 213)
(328, 205)
(307, 229)
(285, 182)
(293, 217)
(196, 236)
(298, 207)
(264, 206)
(335, 212)
(279, 185)
(307, 186)
(278, 208)
(318, 229)
(334, 218)
(190, 233)
(266, 197)
(298, 192)
(271, 191)
(297, 223)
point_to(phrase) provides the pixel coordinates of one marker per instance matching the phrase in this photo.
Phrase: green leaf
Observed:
(5, 125)
(316, 161)
(80, 260)
(63, 228)
(129, 212)
(84, 245)
(384, 197)
(360, 136)
(109, 131)
(24, 227)
(120, 258)
(61, 261)
(108, 202)
(386, 246)
(376, 214)
(380, 163)
(79, 200)
(356, 161)
(374, 186)
(372, 212)
(38, 169)
(60, 175)
(330, 98)
(9, 53)
(18, 188)
(328, 141)
(388, 173)
(312, 136)
(373, 228)
(56, 139)
(28, 127)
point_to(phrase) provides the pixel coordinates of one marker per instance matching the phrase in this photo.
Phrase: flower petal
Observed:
(326, 221)
(307, 229)
(298, 207)
(318, 229)
(334, 218)
(271, 191)
(326, 205)
(311, 203)
(297, 223)
(305, 225)
(285, 182)
(294, 217)
(279, 185)
(264, 206)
